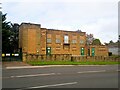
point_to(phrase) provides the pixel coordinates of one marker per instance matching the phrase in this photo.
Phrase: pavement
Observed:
(14, 64)
(23, 65)
(91, 76)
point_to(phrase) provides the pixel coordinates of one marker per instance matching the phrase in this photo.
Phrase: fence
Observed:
(94, 58)
(53, 57)
(12, 57)
(67, 57)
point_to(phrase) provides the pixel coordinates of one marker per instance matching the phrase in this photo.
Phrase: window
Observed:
(57, 40)
(57, 48)
(74, 48)
(57, 36)
(74, 37)
(66, 39)
(74, 41)
(81, 41)
(82, 34)
(48, 40)
(66, 47)
(48, 35)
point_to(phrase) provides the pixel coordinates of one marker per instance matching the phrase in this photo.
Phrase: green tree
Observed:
(96, 42)
(14, 37)
(0, 34)
(6, 33)
(9, 36)
(111, 42)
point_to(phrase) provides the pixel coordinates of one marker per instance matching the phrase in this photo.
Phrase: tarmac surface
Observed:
(60, 76)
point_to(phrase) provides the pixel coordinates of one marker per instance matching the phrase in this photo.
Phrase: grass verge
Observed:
(34, 63)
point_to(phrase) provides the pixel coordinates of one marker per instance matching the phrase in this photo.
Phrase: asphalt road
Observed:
(62, 77)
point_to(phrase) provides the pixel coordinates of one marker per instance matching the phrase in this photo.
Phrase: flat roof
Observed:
(77, 31)
(31, 24)
(65, 30)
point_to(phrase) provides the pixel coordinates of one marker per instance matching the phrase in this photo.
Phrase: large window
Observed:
(66, 39)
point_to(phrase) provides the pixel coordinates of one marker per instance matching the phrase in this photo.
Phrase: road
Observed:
(105, 76)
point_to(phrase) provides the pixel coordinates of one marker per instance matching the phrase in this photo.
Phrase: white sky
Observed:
(99, 17)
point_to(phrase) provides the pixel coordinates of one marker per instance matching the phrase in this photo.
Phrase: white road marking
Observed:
(26, 67)
(33, 75)
(62, 84)
(92, 71)
(58, 73)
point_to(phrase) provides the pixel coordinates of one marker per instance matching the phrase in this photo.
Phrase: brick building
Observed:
(36, 40)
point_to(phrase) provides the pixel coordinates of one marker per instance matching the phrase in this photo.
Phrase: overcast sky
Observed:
(99, 17)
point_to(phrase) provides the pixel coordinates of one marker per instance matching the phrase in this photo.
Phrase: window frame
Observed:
(74, 41)
(66, 39)
(58, 40)
(48, 40)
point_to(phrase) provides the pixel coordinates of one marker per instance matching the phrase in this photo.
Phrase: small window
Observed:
(74, 41)
(57, 36)
(81, 41)
(74, 48)
(48, 35)
(48, 40)
(66, 47)
(57, 40)
(74, 37)
(82, 34)
(57, 48)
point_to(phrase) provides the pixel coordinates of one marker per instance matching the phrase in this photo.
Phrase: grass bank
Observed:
(34, 63)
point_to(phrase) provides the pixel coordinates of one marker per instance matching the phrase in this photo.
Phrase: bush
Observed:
(110, 53)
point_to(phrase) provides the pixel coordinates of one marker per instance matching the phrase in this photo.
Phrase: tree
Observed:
(14, 36)
(0, 33)
(6, 33)
(96, 42)
(9, 36)
(106, 43)
(90, 39)
(118, 41)
(111, 42)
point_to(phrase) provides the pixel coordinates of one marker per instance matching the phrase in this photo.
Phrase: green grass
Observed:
(34, 63)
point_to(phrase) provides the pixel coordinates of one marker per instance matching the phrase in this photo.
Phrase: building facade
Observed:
(114, 48)
(36, 40)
